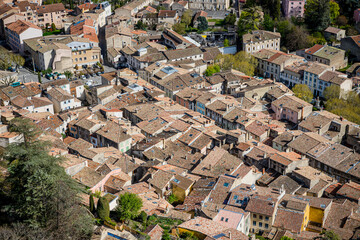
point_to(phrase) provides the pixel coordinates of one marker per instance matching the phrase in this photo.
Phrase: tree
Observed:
(68, 74)
(303, 92)
(17, 60)
(284, 27)
(298, 38)
(92, 204)
(241, 61)
(268, 23)
(329, 235)
(41, 195)
(103, 209)
(317, 14)
(203, 24)
(187, 17)
(333, 91)
(226, 42)
(334, 10)
(211, 70)
(179, 28)
(342, 20)
(230, 19)
(140, 25)
(143, 217)
(250, 19)
(129, 205)
(39, 77)
(53, 27)
(286, 238)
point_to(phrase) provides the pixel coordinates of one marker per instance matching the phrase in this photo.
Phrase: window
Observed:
(254, 216)
(254, 223)
(260, 217)
(226, 220)
(222, 219)
(260, 224)
(266, 218)
(266, 225)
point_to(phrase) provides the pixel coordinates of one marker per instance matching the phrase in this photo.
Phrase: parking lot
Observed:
(25, 76)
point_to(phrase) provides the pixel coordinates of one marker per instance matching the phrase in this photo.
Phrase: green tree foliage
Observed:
(129, 205)
(347, 7)
(141, 25)
(268, 24)
(230, 19)
(303, 92)
(186, 18)
(342, 20)
(317, 14)
(241, 61)
(39, 77)
(329, 235)
(211, 70)
(9, 59)
(68, 74)
(92, 204)
(349, 108)
(226, 42)
(334, 11)
(172, 199)
(331, 92)
(41, 195)
(103, 209)
(179, 28)
(286, 238)
(298, 38)
(203, 24)
(143, 217)
(272, 7)
(250, 19)
(188, 236)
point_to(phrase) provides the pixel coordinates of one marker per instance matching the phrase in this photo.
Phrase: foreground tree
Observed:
(241, 61)
(317, 14)
(250, 19)
(179, 28)
(203, 24)
(230, 19)
(211, 70)
(331, 92)
(303, 92)
(298, 38)
(103, 209)
(129, 205)
(41, 195)
(334, 11)
(187, 17)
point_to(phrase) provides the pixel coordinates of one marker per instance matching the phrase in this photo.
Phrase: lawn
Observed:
(218, 22)
(56, 32)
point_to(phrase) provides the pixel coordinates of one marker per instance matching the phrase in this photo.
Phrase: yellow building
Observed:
(181, 187)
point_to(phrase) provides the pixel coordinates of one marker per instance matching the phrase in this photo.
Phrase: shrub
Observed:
(103, 208)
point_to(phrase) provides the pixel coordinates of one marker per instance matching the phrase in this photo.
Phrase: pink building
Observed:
(293, 8)
(291, 108)
(357, 15)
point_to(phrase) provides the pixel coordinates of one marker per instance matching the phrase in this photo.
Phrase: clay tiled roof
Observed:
(161, 179)
(20, 26)
(56, 7)
(314, 49)
(289, 220)
(333, 30)
(167, 13)
(59, 94)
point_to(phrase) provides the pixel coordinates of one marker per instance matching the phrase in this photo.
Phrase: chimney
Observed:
(149, 185)
(265, 155)
(263, 171)
(230, 235)
(163, 141)
(209, 167)
(185, 207)
(302, 113)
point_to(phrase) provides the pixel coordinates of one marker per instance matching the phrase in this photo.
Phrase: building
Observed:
(334, 34)
(293, 8)
(291, 108)
(213, 5)
(49, 54)
(272, 62)
(317, 77)
(168, 16)
(19, 31)
(83, 51)
(331, 56)
(50, 14)
(260, 39)
(351, 44)
(62, 100)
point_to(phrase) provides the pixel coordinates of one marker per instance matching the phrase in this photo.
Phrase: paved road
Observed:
(26, 76)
